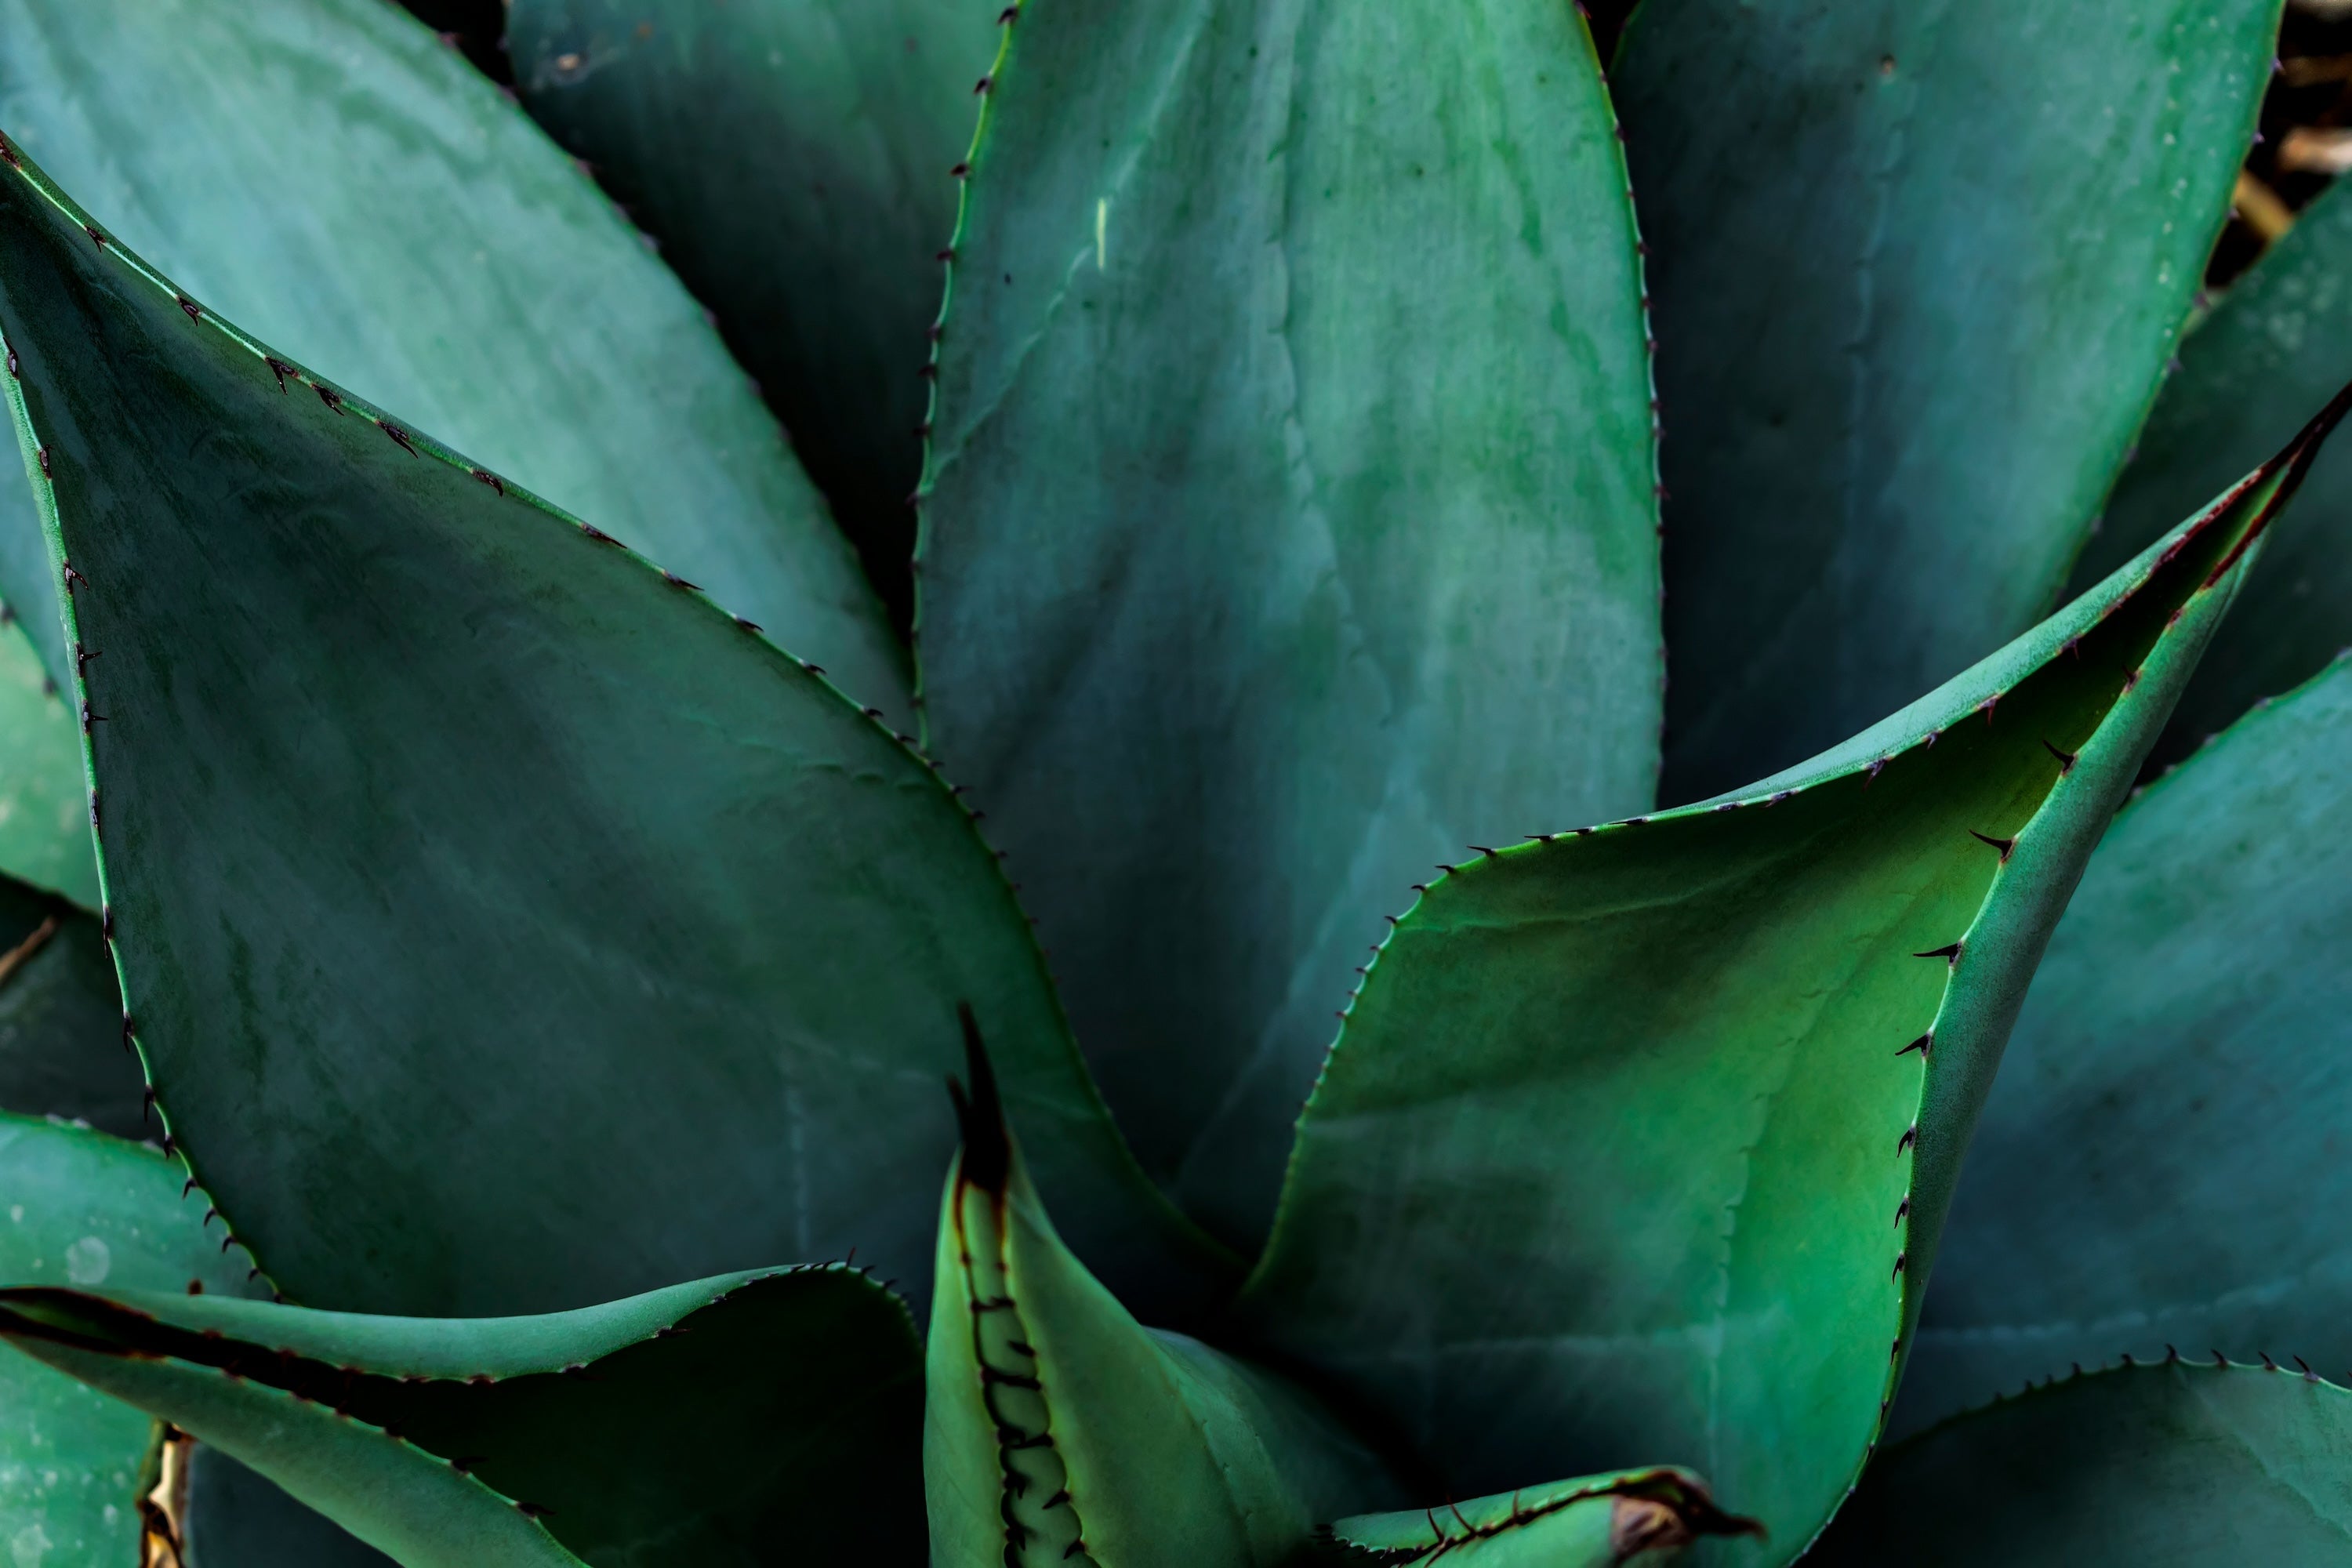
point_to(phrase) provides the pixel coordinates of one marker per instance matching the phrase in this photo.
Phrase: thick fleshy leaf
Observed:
(2182, 1465)
(78, 1207)
(792, 156)
(697, 1424)
(44, 811)
(1290, 518)
(328, 174)
(1916, 271)
(1638, 1139)
(504, 926)
(1632, 1517)
(2159, 1157)
(2278, 341)
(62, 1052)
(1058, 1428)
(238, 1517)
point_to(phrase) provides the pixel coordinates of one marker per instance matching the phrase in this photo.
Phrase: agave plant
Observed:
(486, 1098)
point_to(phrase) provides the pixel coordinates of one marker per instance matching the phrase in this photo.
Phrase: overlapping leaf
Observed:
(698, 1425)
(328, 174)
(2277, 342)
(1916, 270)
(1289, 515)
(2159, 1157)
(1058, 1429)
(1638, 1140)
(2177, 1466)
(504, 926)
(793, 157)
(81, 1208)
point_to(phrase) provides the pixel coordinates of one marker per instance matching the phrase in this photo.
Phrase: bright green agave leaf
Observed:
(505, 875)
(2180, 1466)
(1290, 518)
(1638, 1139)
(61, 1047)
(1059, 1429)
(793, 155)
(1916, 271)
(329, 174)
(2276, 343)
(81, 1208)
(701, 1423)
(2167, 1124)
(44, 813)
(1632, 1517)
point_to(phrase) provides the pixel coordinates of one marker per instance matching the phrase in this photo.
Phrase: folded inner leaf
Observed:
(1060, 1430)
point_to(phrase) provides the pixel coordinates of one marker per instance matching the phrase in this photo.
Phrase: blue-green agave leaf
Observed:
(1638, 1140)
(2275, 343)
(327, 173)
(463, 865)
(1289, 518)
(792, 156)
(2183, 1464)
(1917, 267)
(2158, 1159)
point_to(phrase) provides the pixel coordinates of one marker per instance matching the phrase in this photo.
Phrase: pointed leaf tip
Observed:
(980, 1114)
(2291, 466)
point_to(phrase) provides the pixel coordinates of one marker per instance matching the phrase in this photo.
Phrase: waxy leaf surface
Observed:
(331, 175)
(2161, 1156)
(1289, 517)
(2193, 1466)
(1917, 268)
(504, 926)
(792, 156)
(697, 1424)
(2277, 343)
(1058, 1429)
(78, 1207)
(1638, 1139)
